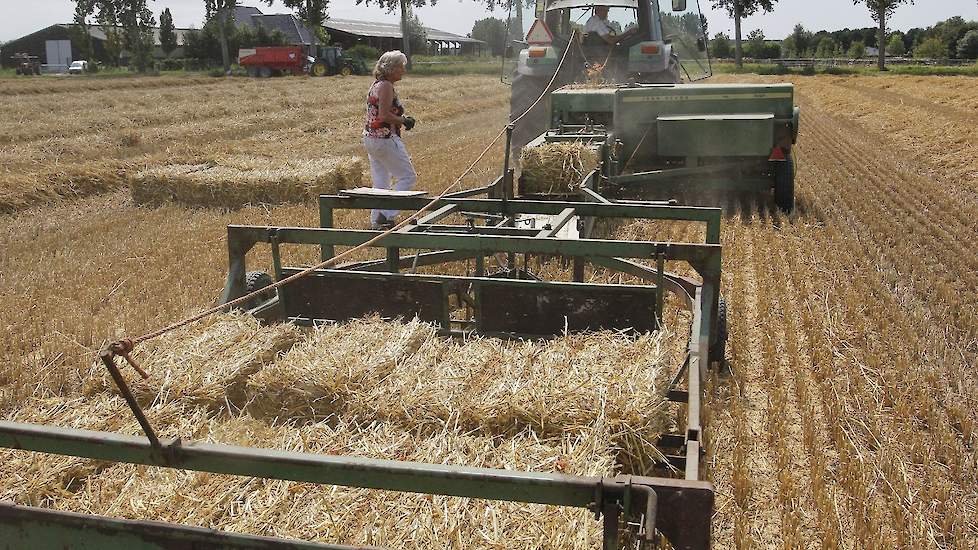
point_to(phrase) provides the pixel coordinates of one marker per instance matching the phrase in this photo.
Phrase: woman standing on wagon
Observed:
(382, 134)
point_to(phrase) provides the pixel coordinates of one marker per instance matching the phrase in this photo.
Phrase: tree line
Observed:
(945, 42)
(954, 38)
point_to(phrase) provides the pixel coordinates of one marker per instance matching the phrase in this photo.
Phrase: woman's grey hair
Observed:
(388, 62)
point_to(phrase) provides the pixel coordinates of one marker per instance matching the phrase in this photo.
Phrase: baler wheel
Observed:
(257, 280)
(718, 348)
(784, 184)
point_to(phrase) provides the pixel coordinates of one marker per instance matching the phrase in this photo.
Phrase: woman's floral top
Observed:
(375, 127)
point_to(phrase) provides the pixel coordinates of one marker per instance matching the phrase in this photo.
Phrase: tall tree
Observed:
(932, 48)
(115, 39)
(132, 16)
(895, 46)
(721, 47)
(137, 28)
(804, 40)
(492, 31)
(406, 31)
(881, 10)
(168, 33)
(222, 13)
(739, 9)
(417, 35)
(968, 46)
(826, 48)
(83, 9)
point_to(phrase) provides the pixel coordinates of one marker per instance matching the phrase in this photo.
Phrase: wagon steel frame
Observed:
(679, 509)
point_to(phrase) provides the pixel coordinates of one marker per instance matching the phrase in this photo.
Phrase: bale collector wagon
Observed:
(480, 227)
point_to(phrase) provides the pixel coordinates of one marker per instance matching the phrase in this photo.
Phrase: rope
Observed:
(332, 261)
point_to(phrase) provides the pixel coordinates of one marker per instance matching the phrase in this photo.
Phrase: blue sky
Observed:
(19, 17)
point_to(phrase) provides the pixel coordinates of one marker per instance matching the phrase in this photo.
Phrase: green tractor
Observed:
(630, 94)
(330, 60)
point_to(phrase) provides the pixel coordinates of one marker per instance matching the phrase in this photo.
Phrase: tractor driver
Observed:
(598, 25)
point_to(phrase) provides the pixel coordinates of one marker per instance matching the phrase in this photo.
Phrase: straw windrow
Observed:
(238, 181)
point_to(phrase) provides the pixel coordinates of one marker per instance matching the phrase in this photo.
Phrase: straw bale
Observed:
(407, 375)
(319, 376)
(238, 181)
(557, 168)
(358, 516)
(205, 365)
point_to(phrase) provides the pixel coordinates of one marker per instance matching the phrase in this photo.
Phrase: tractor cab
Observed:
(559, 45)
(646, 44)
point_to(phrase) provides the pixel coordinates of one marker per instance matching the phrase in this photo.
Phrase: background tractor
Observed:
(26, 64)
(658, 135)
(330, 60)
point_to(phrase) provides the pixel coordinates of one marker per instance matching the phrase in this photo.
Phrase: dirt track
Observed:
(849, 419)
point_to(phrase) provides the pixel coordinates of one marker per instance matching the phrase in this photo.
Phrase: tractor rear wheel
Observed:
(318, 69)
(257, 280)
(526, 90)
(784, 184)
(718, 348)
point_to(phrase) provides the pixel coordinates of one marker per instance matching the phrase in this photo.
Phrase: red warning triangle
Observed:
(539, 33)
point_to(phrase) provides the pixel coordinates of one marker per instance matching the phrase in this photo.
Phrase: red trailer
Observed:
(273, 60)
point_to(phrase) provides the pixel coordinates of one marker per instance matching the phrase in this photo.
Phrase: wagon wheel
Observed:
(319, 69)
(346, 70)
(264, 72)
(253, 72)
(257, 280)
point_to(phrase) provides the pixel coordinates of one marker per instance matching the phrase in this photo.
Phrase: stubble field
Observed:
(849, 418)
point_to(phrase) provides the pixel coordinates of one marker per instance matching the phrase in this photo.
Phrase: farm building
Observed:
(57, 48)
(387, 36)
(296, 33)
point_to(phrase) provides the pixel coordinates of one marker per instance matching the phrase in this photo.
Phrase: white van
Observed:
(78, 67)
